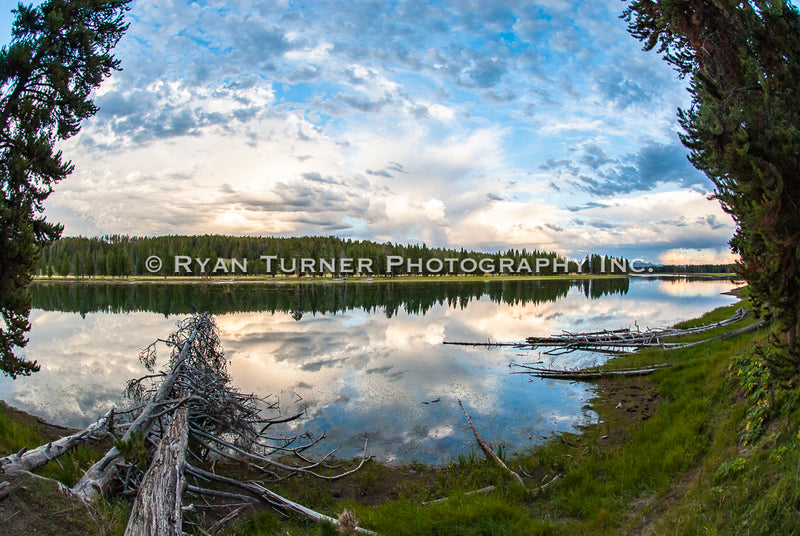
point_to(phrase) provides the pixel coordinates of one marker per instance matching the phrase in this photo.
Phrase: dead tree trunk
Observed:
(33, 459)
(157, 508)
(487, 448)
(269, 497)
(97, 478)
(195, 400)
(615, 341)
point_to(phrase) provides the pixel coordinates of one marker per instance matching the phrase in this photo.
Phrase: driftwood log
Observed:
(190, 409)
(615, 341)
(585, 374)
(99, 476)
(597, 373)
(487, 448)
(30, 460)
(158, 507)
(195, 412)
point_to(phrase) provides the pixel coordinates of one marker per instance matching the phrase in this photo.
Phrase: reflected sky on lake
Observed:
(362, 373)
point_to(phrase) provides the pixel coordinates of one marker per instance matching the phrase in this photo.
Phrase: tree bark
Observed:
(33, 459)
(157, 508)
(97, 478)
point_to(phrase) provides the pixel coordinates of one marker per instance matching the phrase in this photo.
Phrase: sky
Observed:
(479, 124)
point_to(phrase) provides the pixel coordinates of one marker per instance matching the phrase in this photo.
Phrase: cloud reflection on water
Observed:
(362, 373)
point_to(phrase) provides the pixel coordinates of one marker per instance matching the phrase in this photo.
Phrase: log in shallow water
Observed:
(610, 341)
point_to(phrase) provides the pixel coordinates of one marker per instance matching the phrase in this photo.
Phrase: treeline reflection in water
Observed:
(304, 298)
(364, 359)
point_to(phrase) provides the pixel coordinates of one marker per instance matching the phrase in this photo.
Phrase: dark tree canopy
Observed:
(743, 129)
(60, 52)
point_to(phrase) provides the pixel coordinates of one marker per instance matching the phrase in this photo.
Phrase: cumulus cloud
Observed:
(654, 164)
(487, 124)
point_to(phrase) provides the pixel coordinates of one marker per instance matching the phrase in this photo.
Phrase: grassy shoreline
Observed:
(700, 447)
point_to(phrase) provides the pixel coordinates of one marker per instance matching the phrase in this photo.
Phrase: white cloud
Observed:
(411, 121)
(434, 210)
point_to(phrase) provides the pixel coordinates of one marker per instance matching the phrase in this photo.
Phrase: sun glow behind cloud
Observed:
(486, 126)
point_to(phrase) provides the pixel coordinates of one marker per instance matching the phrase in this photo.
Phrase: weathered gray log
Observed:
(591, 375)
(157, 508)
(487, 448)
(587, 375)
(614, 341)
(30, 460)
(487, 489)
(488, 344)
(750, 327)
(625, 338)
(97, 478)
(270, 497)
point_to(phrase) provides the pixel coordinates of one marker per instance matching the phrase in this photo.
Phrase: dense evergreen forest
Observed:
(694, 269)
(300, 299)
(119, 256)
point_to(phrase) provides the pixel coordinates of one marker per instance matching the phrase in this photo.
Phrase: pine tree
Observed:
(60, 51)
(743, 129)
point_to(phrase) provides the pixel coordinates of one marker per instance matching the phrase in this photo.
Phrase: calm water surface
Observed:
(360, 358)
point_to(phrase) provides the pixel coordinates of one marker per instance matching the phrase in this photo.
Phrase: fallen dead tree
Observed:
(615, 341)
(97, 479)
(597, 373)
(29, 460)
(487, 448)
(585, 374)
(190, 410)
(621, 340)
(203, 417)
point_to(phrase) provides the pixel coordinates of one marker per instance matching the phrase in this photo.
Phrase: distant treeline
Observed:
(120, 256)
(300, 299)
(695, 269)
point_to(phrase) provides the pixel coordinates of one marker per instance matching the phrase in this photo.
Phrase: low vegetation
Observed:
(710, 445)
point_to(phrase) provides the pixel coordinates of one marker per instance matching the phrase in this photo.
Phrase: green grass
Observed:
(653, 356)
(462, 515)
(721, 455)
(685, 470)
(15, 435)
(38, 506)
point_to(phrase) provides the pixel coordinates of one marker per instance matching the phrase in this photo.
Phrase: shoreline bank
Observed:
(667, 456)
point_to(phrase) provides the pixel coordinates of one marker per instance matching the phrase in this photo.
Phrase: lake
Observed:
(361, 358)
